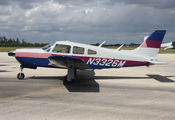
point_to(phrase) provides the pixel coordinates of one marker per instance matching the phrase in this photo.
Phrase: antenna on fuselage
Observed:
(101, 44)
(118, 49)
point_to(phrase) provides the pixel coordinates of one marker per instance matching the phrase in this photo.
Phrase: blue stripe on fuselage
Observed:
(40, 62)
(43, 62)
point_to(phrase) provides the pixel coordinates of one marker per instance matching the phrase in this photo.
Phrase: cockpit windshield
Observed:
(48, 47)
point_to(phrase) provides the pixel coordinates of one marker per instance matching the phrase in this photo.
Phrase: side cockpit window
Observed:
(78, 50)
(62, 48)
(90, 52)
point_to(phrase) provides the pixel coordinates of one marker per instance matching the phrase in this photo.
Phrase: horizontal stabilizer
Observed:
(156, 62)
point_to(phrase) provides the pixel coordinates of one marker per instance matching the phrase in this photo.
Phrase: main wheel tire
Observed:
(67, 81)
(20, 76)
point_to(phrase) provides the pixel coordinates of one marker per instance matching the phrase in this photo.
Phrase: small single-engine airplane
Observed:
(73, 56)
(170, 45)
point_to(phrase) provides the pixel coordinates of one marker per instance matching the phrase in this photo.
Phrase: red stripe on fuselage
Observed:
(128, 62)
(32, 55)
(44, 55)
(84, 58)
(26, 54)
(151, 44)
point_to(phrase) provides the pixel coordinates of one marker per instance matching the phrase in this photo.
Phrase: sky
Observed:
(86, 21)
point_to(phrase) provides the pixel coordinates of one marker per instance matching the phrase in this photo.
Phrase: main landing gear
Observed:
(70, 77)
(20, 75)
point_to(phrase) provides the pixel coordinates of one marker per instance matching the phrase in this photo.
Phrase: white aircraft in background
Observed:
(170, 45)
(73, 56)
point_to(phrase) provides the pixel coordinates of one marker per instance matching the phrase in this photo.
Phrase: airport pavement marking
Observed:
(73, 84)
(171, 56)
(31, 94)
(171, 61)
(130, 71)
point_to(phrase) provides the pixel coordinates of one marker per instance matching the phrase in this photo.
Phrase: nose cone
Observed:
(11, 53)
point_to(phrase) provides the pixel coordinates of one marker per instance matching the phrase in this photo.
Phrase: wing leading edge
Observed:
(67, 62)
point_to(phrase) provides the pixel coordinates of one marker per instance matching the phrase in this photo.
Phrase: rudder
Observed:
(150, 47)
(154, 40)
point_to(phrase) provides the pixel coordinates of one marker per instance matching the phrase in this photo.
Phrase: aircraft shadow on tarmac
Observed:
(160, 78)
(4, 71)
(86, 80)
(3, 65)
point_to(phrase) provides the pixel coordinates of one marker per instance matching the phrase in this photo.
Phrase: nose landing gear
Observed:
(20, 75)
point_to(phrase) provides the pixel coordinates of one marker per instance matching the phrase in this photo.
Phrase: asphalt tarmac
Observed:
(116, 94)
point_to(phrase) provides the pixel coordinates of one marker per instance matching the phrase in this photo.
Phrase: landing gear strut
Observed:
(69, 78)
(20, 75)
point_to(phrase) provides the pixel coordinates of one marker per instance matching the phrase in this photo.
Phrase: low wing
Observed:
(67, 61)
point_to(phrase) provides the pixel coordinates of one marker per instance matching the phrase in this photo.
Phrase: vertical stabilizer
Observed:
(150, 47)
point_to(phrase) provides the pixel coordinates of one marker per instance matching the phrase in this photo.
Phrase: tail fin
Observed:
(150, 47)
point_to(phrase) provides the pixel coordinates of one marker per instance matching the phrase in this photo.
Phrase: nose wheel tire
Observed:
(20, 76)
